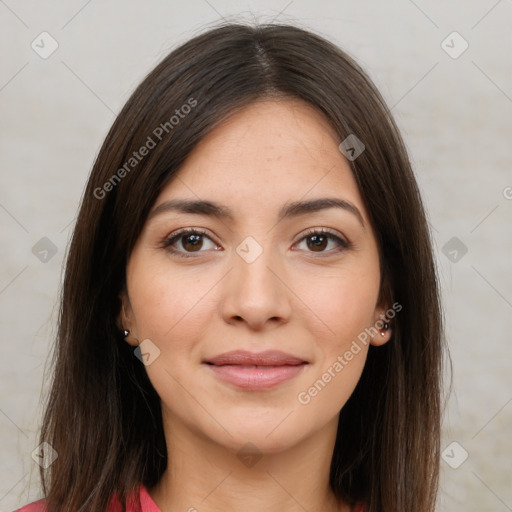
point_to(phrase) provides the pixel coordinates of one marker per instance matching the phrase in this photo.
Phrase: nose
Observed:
(257, 292)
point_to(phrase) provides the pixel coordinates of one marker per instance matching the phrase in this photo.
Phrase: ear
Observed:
(382, 326)
(126, 320)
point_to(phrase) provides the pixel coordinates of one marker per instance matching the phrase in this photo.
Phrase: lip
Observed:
(256, 371)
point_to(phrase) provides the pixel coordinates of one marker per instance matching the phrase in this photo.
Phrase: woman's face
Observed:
(261, 277)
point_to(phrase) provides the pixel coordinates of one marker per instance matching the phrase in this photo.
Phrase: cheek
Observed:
(173, 311)
(341, 303)
(339, 309)
(341, 355)
(168, 304)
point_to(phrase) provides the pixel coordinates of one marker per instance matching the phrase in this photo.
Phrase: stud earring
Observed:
(126, 333)
(385, 327)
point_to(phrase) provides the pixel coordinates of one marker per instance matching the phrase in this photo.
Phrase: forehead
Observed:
(266, 154)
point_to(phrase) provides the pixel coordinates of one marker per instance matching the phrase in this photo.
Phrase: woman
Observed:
(250, 314)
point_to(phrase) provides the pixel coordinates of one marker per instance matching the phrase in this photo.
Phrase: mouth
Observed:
(251, 371)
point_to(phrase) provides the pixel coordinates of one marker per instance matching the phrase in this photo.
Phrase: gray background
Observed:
(455, 114)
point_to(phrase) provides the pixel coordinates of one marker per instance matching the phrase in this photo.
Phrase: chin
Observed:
(251, 440)
(274, 432)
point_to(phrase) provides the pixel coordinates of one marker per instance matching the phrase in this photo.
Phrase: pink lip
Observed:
(252, 371)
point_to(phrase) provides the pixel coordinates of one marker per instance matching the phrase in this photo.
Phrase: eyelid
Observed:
(169, 239)
(342, 241)
(323, 231)
(182, 231)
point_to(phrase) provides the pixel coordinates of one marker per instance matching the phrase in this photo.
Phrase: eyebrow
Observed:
(289, 210)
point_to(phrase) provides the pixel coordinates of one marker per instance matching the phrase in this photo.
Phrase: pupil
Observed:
(318, 241)
(196, 239)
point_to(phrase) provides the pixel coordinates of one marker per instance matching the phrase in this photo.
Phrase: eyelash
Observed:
(168, 242)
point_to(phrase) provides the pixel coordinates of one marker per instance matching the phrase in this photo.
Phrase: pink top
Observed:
(146, 504)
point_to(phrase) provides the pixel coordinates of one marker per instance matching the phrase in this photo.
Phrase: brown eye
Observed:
(192, 242)
(317, 240)
(188, 241)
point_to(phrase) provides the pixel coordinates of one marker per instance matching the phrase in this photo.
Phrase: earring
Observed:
(126, 333)
(384, 328)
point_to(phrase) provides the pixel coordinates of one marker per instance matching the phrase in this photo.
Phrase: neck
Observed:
(204, 476)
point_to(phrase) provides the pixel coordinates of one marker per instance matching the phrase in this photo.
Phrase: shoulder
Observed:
(146, 503)
(36, 506)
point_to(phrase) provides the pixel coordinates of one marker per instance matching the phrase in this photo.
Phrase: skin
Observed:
(307, 301)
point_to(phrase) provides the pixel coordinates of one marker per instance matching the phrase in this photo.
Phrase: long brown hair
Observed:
(103, 416)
